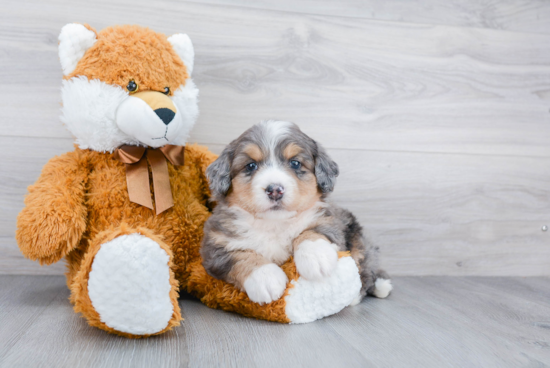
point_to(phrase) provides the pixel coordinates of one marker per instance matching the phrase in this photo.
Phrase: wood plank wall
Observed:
(437, 112)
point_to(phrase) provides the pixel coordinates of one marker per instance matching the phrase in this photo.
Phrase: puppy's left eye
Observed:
(166, 90)
(295, 165)
(251, 166)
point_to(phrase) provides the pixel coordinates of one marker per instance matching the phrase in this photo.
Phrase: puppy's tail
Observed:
(382, 285)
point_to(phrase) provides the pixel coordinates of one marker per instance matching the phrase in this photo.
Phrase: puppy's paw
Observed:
(266, 284)
(315, 259)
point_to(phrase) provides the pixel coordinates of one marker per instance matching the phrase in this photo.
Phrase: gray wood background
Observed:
(437, 112)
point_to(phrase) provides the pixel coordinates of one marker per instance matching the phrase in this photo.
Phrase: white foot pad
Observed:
(129, 285)
(309, 300)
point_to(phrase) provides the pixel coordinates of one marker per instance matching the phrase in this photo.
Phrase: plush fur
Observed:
(79, 208)
(81, 201)
(147, 57)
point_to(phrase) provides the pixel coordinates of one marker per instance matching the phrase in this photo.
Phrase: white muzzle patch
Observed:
(137, 119)
(272, 175)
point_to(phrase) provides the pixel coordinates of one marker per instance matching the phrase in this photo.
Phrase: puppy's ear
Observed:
(219, 173)
(326, 170)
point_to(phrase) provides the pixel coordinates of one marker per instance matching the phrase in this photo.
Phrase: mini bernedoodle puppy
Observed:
(270, 185)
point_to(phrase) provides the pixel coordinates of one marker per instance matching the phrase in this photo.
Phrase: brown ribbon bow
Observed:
(137, 174)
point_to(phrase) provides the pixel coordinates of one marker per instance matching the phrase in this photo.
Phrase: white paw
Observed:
(129, 285)
(315, 259)
(382, 288)
(266, 284)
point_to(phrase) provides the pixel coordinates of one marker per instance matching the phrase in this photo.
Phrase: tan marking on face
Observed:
(241, 186)
(156, 100)
(254, 152)
(307, 235)
(245, 263)
(307, 194)
(241, 194)
(291, 150)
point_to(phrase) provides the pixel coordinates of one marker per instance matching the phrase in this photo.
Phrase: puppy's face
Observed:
(272, 168)
(273, 178)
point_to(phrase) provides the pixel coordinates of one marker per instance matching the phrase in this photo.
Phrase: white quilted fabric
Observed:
(129, 285)
(74, 40)
(308, 300)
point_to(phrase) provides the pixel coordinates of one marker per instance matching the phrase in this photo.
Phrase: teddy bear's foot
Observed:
(308, 300)
(303, 300)
(130, 287)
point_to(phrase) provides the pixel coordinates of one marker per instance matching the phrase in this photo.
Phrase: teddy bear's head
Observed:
(126, 85)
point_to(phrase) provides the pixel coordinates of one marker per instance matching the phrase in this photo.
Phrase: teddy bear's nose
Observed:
(166, 115)
(161, 104)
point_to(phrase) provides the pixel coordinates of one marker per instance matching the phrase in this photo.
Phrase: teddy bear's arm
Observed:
(54, 217)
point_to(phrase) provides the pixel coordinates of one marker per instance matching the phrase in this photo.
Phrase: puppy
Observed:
(270, 185)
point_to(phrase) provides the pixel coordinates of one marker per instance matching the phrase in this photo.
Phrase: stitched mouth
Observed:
(164, 136)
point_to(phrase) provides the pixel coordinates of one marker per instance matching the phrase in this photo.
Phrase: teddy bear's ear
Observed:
(184, 48)
(74, 40)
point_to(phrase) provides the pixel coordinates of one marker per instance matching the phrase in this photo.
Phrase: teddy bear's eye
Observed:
(132, 86)
(166, 90)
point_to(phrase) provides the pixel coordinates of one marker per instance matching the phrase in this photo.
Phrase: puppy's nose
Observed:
(166, 115)
(275, 192)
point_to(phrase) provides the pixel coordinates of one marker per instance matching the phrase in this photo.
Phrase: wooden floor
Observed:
(426, 322)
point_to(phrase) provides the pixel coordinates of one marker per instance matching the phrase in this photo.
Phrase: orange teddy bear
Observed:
(130, 102)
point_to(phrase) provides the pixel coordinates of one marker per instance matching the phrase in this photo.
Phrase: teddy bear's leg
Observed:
(303, 300)
(308, 300)
(126, 286)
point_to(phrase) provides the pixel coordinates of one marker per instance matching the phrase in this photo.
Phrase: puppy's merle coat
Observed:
(270, 185)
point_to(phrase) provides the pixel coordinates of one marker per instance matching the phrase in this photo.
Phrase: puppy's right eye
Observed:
(296, 165)
(251, 167)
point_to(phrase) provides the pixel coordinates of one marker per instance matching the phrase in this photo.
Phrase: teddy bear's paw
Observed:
(315, 260)
(129, 285)
(266, 283)
(309, 300)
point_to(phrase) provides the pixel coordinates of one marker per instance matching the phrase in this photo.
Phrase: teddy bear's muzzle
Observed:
(150, 117)
(161, 104)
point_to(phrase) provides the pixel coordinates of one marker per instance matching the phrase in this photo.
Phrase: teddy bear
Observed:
(126, 208)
